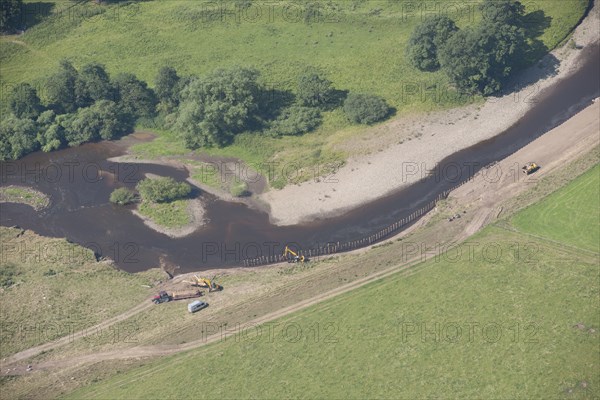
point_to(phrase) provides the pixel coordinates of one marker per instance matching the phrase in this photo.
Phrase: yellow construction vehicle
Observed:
(205, 282)
(292, 256)
(530, 168)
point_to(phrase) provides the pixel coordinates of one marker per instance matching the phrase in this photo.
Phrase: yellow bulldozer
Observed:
(292, 256)
(205, 283)
(530, 168)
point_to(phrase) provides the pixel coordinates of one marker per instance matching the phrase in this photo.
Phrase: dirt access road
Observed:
(483, 196)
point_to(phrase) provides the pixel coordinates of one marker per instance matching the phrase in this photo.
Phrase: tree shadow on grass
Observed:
(535, 24)
(33, 13)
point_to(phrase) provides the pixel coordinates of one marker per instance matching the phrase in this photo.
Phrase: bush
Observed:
(365, 109)
(296, 121)
(122, 196)
(162, 190)
(314, 90)
(239, 189)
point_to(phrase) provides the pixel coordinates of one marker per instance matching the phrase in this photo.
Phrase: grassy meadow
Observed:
(505, 315)
(358, 44)
(51, 288)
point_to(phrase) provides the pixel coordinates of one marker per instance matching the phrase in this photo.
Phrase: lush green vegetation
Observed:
(79, 108)
(122, 196)
(64, 287)
(506, 315)
(570, 216)
(162, 189)
(479, 59)
(173, 214)
(25, 195)
(337, 39)
(365, 109)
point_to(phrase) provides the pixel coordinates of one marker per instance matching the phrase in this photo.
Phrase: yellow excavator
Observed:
(206, 283)
(292, 256)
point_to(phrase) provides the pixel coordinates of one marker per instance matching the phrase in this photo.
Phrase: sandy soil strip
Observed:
(432, 138)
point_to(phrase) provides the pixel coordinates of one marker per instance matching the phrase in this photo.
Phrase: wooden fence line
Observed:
(333, 248)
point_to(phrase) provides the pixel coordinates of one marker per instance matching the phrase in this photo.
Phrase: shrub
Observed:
(296, 121)
(365, 109)
(122, 196)
(239, 189)
(162, 190)
(314, 90)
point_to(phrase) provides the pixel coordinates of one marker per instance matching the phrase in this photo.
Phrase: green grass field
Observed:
(507, 315)
(570, 216)
(170, 215)
(57, 288)
(358, 44)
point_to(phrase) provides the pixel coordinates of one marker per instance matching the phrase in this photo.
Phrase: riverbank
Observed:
(195, 213)
(420, 142)
(24, 195)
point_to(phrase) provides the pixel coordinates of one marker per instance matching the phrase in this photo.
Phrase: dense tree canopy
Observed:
(103, 120)
(161, 190)
(509, 12)
(17, 137)
(478, 60)
(61, 88)
(427, 40)
(51, 134)
(135, 97)
(218, 106)
(24, 101)
(92, 84)
(166, 86)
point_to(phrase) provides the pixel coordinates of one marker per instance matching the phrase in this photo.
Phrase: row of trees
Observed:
(88, 105)
(79, 107)
(477, 59)
(211, 110)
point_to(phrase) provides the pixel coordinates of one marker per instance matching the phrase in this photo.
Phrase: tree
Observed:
(103, 120)
(61, 88)
(92, 84)
(479, 60)
(122, 196)
(365, 109)
(24, 101)
(10, 14)
(296, 120)
(215, 108)
(509, 12)
(51, 135)
(314, 90)
(162, 190)
(135, 97)
(166, 86)
(17, 137)
(426, 41)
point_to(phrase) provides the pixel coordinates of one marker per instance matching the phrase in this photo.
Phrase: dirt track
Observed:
(483, 195)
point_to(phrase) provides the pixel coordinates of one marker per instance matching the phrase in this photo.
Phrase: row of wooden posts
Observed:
(340, 247)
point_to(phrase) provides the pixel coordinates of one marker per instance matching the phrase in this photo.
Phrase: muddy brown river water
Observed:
(80, 180)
